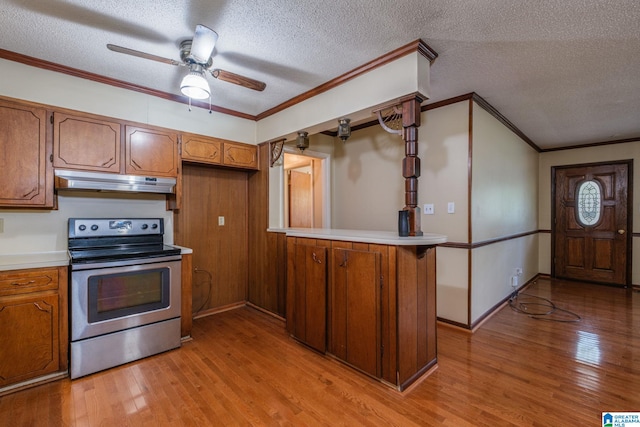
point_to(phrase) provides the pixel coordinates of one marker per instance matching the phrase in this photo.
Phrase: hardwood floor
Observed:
(242, 369)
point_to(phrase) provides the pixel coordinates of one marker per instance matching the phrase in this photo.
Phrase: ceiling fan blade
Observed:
(144, 55)
(238, 79)
(203, 43)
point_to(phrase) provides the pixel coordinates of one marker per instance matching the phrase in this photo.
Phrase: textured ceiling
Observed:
(564, 72)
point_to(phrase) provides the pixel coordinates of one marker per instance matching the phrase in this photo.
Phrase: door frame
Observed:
(629, 163)
(326, 185)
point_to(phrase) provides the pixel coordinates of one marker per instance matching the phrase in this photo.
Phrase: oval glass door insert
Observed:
(589, 203)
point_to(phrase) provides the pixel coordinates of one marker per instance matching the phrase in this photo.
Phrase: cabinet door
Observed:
(202, 150)
(86, 143)
(355, 309)
(30, 345)
(26, 173)
(240, 155)
(151, 152)
(307, 295)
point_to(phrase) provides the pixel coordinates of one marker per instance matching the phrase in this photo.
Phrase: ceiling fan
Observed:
(196, 55)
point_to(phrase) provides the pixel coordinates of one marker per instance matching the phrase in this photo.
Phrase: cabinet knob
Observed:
(621, 231)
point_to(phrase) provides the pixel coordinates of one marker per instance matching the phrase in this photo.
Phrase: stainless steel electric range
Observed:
(124, 292)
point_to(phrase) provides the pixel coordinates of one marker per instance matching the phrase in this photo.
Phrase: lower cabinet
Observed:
(306, 300)
(372, 306)
(34, 335)
(355, 309)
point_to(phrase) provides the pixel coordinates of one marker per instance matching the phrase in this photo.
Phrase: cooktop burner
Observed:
(106, 239)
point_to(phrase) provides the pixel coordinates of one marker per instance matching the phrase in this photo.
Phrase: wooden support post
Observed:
(411, 162)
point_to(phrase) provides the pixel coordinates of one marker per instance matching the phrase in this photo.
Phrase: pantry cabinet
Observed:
(86, 142)
(33, 312)
(26, 172)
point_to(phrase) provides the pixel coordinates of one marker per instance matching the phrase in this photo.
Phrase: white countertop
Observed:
(183, 250)
(34, 260)
(364, 236)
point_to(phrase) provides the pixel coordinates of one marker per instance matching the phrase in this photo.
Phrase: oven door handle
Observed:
(124, 262)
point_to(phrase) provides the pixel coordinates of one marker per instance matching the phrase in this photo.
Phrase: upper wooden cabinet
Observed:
(151, 151)
(26, 172)
(201, 149)
(216, 151)
(86, 142)
(95, 143)
(240, 155)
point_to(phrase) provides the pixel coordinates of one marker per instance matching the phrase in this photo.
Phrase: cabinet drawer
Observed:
(20, 282)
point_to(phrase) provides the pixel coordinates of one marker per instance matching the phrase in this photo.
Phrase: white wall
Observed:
(29, 231)
(603, 153)
(504, 204)
(46, 87)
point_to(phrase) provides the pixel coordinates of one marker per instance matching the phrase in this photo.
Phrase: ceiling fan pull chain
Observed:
(209, 103)
(189, 103)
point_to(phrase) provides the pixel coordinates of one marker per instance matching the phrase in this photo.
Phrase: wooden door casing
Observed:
(599, 252)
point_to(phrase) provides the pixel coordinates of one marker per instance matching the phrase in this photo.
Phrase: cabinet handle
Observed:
(135, 164)
(30, 192)
(344, 260)
(23, 283)
(315, 258)
(108, 162)
(40, 308)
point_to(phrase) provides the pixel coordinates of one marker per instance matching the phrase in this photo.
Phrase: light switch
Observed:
(451, 207)
(220, 220)
(428, 209)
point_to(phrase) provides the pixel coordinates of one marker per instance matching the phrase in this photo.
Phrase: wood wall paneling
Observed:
(220, 252)
(267, 285)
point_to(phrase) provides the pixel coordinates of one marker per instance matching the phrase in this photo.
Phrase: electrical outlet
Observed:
(428, 209)
(220, 220)
(518, 271)
(514, 281)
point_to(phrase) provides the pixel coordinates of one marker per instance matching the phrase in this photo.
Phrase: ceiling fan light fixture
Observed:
(195, 85)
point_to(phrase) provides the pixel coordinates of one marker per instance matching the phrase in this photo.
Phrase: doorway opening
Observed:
(306, 190)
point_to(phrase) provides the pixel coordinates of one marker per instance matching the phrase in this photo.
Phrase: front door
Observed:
(592, 223)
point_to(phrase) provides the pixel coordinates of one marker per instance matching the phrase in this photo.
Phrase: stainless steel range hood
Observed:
(97, 181)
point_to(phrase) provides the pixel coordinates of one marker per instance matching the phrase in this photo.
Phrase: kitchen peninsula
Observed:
(367, 298)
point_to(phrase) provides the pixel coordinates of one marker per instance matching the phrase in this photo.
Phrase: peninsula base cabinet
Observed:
(374, 304)
(34, 334)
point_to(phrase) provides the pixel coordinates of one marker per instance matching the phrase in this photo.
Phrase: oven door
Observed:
(115, 296)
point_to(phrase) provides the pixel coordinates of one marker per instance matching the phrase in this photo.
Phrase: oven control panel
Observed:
(102, 227)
